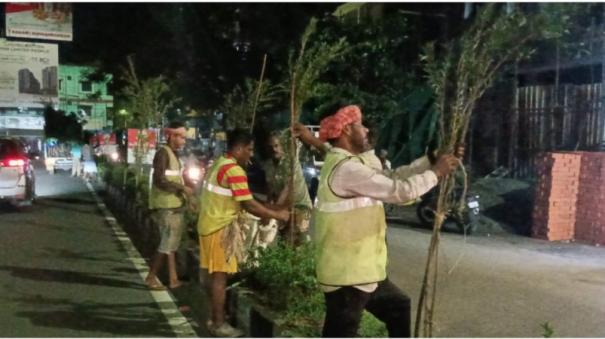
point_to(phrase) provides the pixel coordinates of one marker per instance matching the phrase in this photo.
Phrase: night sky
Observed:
(194, 44)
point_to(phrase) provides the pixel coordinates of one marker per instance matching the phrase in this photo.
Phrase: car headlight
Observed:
(114, 156)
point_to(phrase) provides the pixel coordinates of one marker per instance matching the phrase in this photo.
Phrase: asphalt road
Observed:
(505, 285)
(64, 274)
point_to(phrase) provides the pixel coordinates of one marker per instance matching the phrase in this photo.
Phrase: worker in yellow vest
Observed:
(225, 192)
(167, 200)
(350, 228)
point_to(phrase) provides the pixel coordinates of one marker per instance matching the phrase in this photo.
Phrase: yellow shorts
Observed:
(212, 254)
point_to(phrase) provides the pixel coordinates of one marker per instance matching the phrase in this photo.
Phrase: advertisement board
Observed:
(148, 148)
(100, 139)
(28, 74)
(16, 122)
(39, 20)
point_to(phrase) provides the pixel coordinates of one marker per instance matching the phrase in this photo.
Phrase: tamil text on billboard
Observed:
(28, 74)
(39, 20)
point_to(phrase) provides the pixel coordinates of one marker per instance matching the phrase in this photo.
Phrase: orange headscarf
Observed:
(331, 127)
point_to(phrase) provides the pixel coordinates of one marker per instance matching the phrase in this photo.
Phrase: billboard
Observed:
(29, 74)
(39, 20)
(148, 149)
(16, 122)
(101, 139)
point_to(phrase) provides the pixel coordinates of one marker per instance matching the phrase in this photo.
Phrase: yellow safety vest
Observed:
(218, 208)
(349, 234)
(162, 199)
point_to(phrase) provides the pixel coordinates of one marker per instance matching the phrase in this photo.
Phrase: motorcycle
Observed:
(463, 218)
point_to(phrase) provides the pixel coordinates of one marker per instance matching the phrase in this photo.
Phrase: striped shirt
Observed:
(218, 211)
(234, 177)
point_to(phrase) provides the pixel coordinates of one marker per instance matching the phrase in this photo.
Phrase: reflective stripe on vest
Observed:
(218, 208)
(218, 190)
(347, 205)
(171, 173)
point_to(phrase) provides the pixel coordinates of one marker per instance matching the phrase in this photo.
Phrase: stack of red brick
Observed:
(554, 213)
(590, 218)
(570, 197)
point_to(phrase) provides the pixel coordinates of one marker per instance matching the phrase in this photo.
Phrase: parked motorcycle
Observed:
(463, 218)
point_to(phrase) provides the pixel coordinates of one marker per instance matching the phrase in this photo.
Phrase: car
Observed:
(62, 164)
(17, 180)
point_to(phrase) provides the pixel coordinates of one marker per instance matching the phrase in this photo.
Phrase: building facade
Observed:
(87, 99)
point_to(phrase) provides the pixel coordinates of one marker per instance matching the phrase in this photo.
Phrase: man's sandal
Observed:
(156, 286)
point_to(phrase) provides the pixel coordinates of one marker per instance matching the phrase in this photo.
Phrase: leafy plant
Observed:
(312, 61)
(547, 330)
(238, 105)
(284, 271)
(370, 327)
(305, 69)
(376, 73)
(148, 99)
(285, 276)
(459, 76)
(61, 126)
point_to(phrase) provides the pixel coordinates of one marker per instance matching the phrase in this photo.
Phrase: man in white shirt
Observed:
(350, 227)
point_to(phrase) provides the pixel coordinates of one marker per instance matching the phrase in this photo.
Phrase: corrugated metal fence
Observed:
(547, 118)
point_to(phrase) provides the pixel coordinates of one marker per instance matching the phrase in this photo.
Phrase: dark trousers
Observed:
(345, 306)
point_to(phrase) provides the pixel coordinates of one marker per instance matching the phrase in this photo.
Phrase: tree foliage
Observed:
(62, 126)
(148, 100)
(238, 105)
(377, 73)
(569, 29)
(310, 63)
(380, 73)
(459, 75)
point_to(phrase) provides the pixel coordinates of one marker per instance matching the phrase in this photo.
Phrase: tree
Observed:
(61, 126)
(459, 74)
(381, 74)
(148, 99)
(192, 44)
(239, 104)
(377, 73)
(305, 70)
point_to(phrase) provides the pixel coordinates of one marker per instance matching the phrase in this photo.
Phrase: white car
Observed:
(62, 164)
(17, 181)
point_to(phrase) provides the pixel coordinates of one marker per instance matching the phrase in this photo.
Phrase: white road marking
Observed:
(178, 322)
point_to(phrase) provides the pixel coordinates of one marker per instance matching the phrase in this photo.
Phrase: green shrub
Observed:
(116, 175)
(547, 330)
(284, 271)
(285, 277)
(143, 188)
(102, 169)
(370, 327)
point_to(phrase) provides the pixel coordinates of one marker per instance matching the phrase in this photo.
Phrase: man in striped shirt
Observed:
(224, 195)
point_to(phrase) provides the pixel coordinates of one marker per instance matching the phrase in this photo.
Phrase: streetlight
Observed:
(123, 113)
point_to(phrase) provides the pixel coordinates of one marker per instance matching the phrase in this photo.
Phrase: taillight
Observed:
(16, 162)
(13, 162)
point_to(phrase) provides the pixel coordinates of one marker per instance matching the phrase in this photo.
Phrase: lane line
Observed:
(178, 322)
